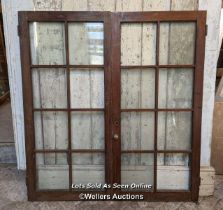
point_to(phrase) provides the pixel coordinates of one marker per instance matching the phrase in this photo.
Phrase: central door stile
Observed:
(116, 98)
(69, 153)
(107, 96)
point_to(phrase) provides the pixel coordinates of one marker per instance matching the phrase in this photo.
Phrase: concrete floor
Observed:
(13, 196)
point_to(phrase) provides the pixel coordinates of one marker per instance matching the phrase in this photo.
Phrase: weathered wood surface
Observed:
(138, 44)
(176, 47)
(144, 53)
(56, 177)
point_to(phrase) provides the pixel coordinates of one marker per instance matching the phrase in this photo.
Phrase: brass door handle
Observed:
(115, 137)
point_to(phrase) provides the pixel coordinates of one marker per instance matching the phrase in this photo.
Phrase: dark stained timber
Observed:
(112, 96)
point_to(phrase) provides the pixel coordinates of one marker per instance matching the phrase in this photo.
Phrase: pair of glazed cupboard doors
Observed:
(112, 98)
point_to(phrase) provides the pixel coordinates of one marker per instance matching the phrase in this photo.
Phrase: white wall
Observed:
(221, 30)
(211, 55)
(10, 19)
(11, 7)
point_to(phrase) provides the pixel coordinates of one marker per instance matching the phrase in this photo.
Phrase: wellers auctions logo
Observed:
(127, 196)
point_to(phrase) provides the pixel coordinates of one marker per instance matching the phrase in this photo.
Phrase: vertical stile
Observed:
(197, 105)
(156, 104)
(69, 158)
(107, 98)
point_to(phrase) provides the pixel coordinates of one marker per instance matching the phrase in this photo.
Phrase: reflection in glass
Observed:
(177, 43)
(47, 43)
(174, 130)
(138, 44)
(51, 130)
(49, 88)
(137, 88)
(138, 169)
(137, 130)
(87, 130)
(88, 168)
(52, 171)
(175, 88)
(86, 43)
(173, 172)
(87, 88)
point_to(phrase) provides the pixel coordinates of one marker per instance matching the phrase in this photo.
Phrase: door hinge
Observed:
(18, 30)
(206, 30)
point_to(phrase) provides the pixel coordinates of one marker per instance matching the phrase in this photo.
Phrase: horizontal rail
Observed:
(157, 110)
(66, 151)
(65, 110)
(65, 66)
(158, 66)
(158, 151)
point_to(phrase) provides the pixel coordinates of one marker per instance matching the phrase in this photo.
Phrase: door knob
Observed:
(115, 136)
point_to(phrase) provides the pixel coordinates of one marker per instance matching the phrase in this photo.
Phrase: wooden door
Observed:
(112, 98)
(66, 77)
(158, 64)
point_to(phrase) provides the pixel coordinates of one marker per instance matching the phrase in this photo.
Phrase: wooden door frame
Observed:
(199, 17)
(112, 23)
(64, 17)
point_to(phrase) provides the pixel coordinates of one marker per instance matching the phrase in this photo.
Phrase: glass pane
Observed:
(174, 130)
(137, 130)
(47, 42)
(51, 130)
(49, 88)
(176, 88)
(87, 88)
(87, 130)
(88, 168)
(137, 169)
(86, 43)
(52, 171)
(177, 43)
(137, 88)
(138, 44)
(173, 171)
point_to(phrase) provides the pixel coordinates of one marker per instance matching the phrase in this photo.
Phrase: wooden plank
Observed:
(43, 5)
(128, 5)
(130, 81)
(74, 5)
(177, 44)
(51, 93)
(178, 176)
(80, 89)
(47, 47)
(173, 177)
(184, 5)
(138, 87)
(78, 43)
(148, 37)
(87, 89)
(47, 43)
(102, 5)
(158, 5)
(80, 85)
